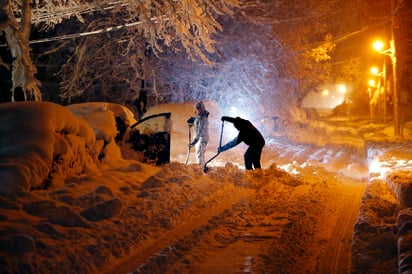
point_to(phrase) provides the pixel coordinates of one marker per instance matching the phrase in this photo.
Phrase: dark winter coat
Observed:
(248, 133)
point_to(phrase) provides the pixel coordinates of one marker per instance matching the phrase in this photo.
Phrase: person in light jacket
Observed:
(201, 132)
(251, 136)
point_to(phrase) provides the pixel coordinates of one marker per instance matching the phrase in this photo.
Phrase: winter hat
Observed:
(200, 106)
(237, 123)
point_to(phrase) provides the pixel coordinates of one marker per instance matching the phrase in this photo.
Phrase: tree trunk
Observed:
(23, 69)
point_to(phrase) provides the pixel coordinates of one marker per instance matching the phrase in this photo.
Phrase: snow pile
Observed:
(401, 185)
(60, 174)
(40, 140)
(375, 232)
(102, 117)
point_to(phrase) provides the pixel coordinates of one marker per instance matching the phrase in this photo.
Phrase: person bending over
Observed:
(251, 137)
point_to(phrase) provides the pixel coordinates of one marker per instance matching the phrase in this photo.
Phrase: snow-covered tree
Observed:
(268, 58)
(17, 35)
(156, 23)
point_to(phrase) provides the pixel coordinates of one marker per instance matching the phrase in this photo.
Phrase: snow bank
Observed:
(374, 238)
(44, 142)
(389, 168)
(102, 117)
(401, 185)
(110, 123)
(38, 140)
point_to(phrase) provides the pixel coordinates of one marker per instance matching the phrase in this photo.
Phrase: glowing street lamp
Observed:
(342, 89)
(374, 70)
(378, 46)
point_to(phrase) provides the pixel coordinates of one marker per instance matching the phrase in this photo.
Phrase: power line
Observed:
(83, 34)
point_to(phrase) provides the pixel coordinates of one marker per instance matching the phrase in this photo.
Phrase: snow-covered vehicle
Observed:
(151, 136)
(147, 140)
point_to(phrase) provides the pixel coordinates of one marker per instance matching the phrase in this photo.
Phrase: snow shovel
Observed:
(205, 168)
(190, 141)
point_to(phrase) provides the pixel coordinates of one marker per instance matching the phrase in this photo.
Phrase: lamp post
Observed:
(381, 85)
(378, 45)
(374, 98)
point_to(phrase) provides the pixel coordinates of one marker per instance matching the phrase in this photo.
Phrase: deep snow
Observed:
(70, 202)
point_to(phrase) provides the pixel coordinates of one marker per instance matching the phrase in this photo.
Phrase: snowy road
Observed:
(286, 224)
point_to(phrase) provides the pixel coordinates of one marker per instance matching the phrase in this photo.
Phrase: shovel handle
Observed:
(205, 168)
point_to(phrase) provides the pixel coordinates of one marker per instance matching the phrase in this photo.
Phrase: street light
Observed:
(342, 89)
(378, 46)
(375, 71)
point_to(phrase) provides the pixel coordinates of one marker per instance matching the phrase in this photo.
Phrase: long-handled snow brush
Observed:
(205, 168)
(190, 141)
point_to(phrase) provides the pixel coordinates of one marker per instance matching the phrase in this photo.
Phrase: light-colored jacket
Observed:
(201, 127)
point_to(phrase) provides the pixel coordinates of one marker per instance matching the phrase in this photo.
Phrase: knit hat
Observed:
(200, 106)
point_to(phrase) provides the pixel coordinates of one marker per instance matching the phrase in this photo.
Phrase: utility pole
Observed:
(392, 54)
(385, 86)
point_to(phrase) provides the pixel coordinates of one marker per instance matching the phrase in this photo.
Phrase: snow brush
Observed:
(189, 147)
(205, 168)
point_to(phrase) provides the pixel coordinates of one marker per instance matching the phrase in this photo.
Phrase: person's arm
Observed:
(190, 123)
(229, 145)
(227, 118)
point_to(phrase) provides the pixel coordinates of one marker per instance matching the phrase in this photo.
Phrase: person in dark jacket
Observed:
(251, 137)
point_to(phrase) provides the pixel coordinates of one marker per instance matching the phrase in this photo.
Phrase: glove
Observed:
(224, 118)
(220, 149)
(190, 121)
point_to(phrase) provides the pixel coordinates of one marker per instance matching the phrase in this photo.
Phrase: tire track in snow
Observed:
(151, 250)
(337, 257)
(270, 228)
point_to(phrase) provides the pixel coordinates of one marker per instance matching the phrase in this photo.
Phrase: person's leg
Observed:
(254, 154)
(200, 152)
(257, 153)
(248, 158)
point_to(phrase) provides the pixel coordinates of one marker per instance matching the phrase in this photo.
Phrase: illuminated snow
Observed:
(38, 132)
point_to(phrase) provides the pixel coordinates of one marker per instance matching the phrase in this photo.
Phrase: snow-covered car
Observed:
(147, 140)
(151, 136)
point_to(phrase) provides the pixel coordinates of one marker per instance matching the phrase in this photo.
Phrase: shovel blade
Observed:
(205, 168)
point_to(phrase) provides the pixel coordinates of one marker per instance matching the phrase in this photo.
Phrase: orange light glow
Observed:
(342, 88)
(378, 45)
(374, 70)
